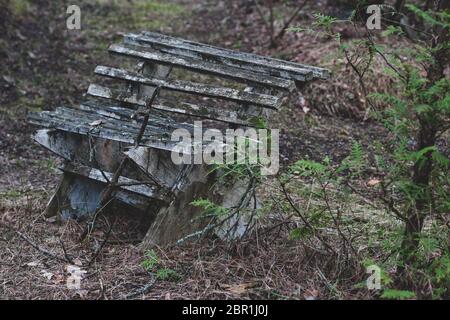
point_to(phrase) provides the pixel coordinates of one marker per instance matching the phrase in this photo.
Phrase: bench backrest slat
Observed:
(263, 100)
(230, 72)
(286, 69)
(255, 85)
(180, 107)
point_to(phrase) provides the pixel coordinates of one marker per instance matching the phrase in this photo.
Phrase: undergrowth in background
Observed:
(409, 171)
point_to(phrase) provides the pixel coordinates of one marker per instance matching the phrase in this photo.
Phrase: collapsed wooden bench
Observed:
(98, 135)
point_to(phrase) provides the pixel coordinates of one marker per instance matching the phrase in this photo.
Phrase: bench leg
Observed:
(75, 197)
(181, 219)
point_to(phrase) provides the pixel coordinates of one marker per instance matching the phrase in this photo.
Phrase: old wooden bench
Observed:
(226, 88)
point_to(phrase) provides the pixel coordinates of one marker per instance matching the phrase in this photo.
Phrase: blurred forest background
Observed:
(335, 209)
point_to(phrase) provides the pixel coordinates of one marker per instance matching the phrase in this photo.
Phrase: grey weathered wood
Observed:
(192, 87)
(69, 123)
(157, 163)
(252, 110)
(131, 126)
(151, 70)
(207, 112)
(249, 57)
(145, 189)
(234, 73)
(77, 196)
(249, 61)
(158, 121)
(157, 135)
(97, 153)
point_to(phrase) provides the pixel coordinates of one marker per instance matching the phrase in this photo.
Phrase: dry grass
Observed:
(267, 265)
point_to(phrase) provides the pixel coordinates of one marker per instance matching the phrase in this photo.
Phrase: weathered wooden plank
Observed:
(193, 88)
(234, 73)
(262, 69)
(106, 155)
(91, 114)
(76, 121)
(114, 94)
(144, 189)
(156, 163)
(98, 153)
(70, 124)
(156, 120)
(249, 61)
(151, 70)
(248, 57)
(58, 144)
(77, 197)
(207, 112)
(92, 118)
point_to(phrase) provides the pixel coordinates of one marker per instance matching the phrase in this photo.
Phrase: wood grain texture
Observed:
(192, 87)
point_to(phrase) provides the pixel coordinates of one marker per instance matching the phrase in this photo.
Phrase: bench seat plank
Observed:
(77, 121)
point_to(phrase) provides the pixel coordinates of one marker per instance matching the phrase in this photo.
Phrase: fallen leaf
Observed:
(47, 274)
(33, 264)
(345, 131)
(51, 220)
(20, 36)
(77, 262)
(373, 182)
(238, 289)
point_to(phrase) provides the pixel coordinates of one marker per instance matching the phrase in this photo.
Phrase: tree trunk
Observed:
(426, 138)
(421, 177)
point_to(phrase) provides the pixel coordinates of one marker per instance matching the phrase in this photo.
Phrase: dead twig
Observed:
(25, 238)
(305, 221)
(146, 288)
(105, 240)
(66, 255)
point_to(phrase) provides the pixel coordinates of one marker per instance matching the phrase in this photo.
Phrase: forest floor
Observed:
(44, 66)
